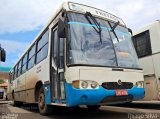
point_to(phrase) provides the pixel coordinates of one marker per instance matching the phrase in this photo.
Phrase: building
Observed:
(4, 75)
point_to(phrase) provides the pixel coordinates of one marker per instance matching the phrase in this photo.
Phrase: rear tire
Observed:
(44, 109)
(93, 107)
(17, 103)
(128, 102)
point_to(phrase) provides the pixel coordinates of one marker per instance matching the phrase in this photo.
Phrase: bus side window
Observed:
(19, 68)
(142, 44)
(42, 47)
(10, 76)
(55, 49)
(15, 72)
(13, 75)
(61, 53)
(24, 63)
(31, 57)
(61, 50)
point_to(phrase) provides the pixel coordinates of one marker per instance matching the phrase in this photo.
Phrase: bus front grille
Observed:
(115, 85)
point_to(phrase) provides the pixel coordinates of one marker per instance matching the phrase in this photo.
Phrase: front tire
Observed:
(17, 103)
(93, 107)
(44, 109)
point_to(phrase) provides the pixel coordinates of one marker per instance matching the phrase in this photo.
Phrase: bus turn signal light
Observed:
(76, 83)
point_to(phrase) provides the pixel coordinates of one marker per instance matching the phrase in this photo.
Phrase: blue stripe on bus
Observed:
(47, 93)
(95, 96)
(103, 27)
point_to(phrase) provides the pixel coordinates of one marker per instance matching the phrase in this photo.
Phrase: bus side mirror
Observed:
(2, 55)
(130, 30)
(61, 29)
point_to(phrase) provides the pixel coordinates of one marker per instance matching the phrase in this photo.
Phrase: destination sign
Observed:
(94, 11)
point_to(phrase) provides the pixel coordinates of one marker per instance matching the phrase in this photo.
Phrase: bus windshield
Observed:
(88, 47)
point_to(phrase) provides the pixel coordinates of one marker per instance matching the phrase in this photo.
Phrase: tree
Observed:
(1, 81)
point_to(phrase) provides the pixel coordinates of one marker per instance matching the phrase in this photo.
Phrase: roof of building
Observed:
(4, 84)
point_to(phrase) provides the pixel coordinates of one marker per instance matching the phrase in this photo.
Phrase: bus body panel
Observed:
(147, 64)
(24, 85)
(101, 74)
(100, 96)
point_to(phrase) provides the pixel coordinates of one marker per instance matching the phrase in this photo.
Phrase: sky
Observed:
(22, 20)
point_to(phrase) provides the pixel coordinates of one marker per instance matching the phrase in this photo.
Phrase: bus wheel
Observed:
(44, 109)
(93, 107)
(17, 103)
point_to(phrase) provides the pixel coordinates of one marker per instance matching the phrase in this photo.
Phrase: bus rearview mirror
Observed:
(61, 29)
(2, 55)
(130, 30)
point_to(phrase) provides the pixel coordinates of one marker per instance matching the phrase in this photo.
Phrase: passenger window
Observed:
(24, 62)
(31, 57)
(142, 44)
(61, 50)
(55, 49)
(32, 52)
(19, 68)
(42, 48)
(43, 41)
(15, 71)
(61, 53)
(11, 76)
(42, 54)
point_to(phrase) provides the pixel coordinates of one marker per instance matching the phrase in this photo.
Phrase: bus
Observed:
(146, 42)
(83, 56)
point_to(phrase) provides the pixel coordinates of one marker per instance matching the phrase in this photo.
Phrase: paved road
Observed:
(125, 111)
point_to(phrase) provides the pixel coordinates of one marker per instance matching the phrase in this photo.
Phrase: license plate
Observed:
(121, 92)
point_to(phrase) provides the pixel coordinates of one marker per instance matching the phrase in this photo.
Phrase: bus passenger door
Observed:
(57, 78)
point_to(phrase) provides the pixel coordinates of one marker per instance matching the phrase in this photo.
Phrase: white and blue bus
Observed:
(83, 56)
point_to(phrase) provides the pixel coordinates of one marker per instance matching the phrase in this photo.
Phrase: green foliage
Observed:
(1, 81)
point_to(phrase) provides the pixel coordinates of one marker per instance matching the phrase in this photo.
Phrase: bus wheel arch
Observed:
(38, 85)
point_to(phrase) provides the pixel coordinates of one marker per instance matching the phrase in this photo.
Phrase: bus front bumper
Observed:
(100, 96)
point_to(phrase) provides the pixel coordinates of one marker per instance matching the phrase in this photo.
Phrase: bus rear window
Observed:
(142, 44)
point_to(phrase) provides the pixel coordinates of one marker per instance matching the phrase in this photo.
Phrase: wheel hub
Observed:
(41, 101)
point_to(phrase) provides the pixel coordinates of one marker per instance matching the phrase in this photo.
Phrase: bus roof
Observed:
(80, 8)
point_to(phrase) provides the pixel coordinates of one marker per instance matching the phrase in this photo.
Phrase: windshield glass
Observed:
(125, 52)
(86, 46)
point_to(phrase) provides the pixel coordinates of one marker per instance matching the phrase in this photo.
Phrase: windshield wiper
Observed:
(99, 30)
(113, 28)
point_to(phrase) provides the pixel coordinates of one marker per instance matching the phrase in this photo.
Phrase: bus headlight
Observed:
(84, 84)
(140, 84)
(94, 84)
